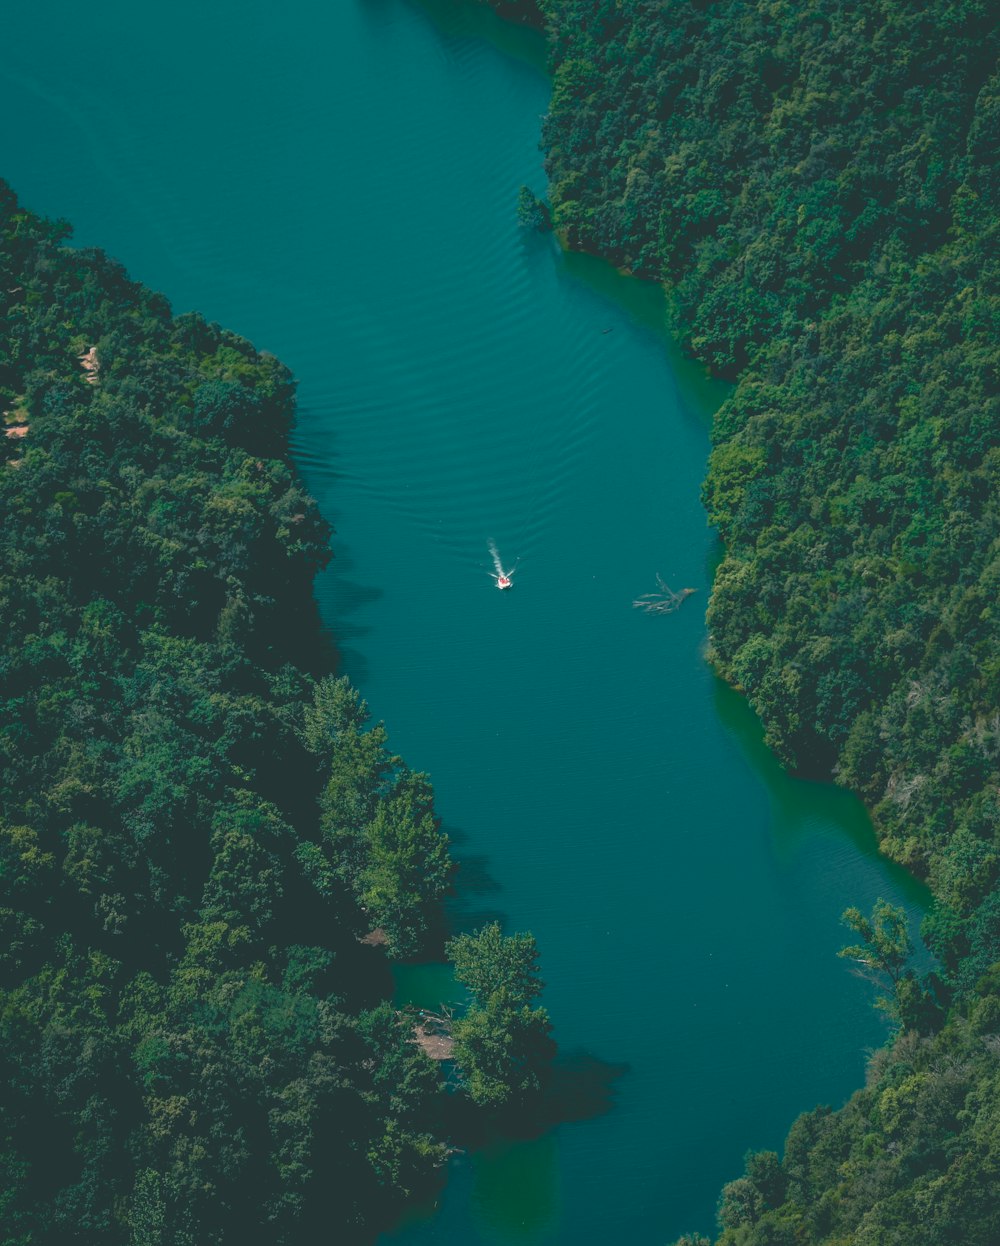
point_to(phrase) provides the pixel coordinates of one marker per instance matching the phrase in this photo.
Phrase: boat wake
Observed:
(502, 577)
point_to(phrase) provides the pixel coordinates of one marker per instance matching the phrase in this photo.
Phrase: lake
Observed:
(338, 182)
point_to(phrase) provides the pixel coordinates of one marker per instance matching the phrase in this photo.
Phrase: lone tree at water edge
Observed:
(884, 949)
(502, 1044)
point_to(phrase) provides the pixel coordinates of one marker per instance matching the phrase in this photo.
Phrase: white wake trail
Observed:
(496, 558)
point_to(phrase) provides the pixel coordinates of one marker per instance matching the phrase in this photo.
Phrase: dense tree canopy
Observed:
(197, 823)
(502, 1043)
(816, 185)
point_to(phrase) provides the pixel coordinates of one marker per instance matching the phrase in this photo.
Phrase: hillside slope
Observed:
(817, 187)
(197, 826)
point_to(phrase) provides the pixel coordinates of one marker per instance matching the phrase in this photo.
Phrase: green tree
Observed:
(489, 961)
(532, 212)
(502, 1051)
(884, 949)
(188, 1044)
(407, 867)
(502, 1044)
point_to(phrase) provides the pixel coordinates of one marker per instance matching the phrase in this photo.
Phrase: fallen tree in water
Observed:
(664, 600)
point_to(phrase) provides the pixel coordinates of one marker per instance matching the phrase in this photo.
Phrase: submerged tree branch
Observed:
(664, 601)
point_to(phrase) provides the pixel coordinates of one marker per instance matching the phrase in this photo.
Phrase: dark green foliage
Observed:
(502, 1051)
(502, 1044)
(884, 949)
(532, 212)
(817, 186)
(746, 1200)
(490, 961)
(526, 11)
(912, 1158)
(379, 834)
(190, 819)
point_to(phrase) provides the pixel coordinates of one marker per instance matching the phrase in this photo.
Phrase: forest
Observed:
(208, 853)
(816, 185)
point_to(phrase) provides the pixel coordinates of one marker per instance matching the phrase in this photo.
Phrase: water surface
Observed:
(338, 182)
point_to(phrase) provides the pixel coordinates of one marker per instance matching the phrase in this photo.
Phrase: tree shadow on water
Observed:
(463, 911)
(579, 1087)
(512, 1158)
(340, 597)
(455, 24)
(468, 906)
(582, 1087)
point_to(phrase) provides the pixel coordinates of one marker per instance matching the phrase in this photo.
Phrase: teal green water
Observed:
(338, 182)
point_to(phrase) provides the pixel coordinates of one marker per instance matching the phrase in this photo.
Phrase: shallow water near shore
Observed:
(339, 182)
